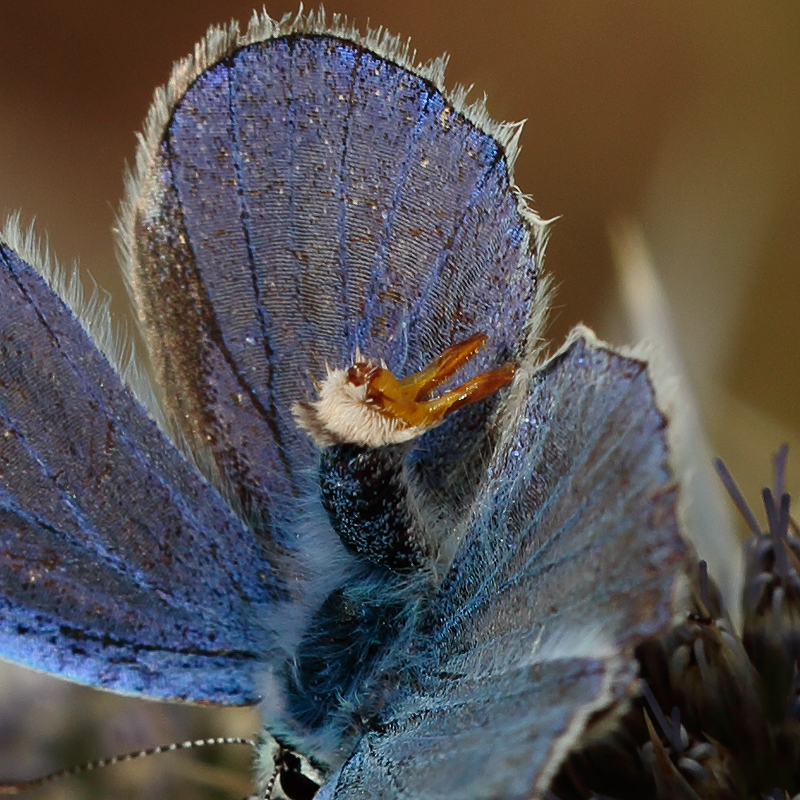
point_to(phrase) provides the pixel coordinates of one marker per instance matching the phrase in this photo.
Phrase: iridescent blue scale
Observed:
(305, 199)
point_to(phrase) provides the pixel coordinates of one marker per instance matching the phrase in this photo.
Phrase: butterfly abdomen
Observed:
(386, 527)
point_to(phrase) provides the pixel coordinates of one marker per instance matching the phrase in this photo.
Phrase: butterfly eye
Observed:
(296, 785)
(294, 774)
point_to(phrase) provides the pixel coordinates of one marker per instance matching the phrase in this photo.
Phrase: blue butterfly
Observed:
(358, 496)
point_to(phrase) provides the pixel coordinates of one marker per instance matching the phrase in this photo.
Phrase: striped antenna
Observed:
(17, 787)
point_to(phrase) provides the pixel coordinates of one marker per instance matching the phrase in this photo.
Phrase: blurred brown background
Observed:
(683, 115)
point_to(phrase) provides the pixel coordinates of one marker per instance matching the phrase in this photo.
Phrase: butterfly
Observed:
(355, 493)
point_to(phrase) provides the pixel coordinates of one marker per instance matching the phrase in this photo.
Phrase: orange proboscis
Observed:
(401, 399)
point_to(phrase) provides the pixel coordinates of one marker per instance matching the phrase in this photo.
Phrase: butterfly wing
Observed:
(568, 560)
(302, 198)
(282, 220)
(120, 566)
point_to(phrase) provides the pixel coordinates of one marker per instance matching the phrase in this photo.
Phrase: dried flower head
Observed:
(718, 715)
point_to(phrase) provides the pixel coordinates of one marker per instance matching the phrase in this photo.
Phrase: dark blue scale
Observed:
(308, 198)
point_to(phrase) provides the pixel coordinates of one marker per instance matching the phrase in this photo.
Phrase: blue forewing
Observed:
(303, 197)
